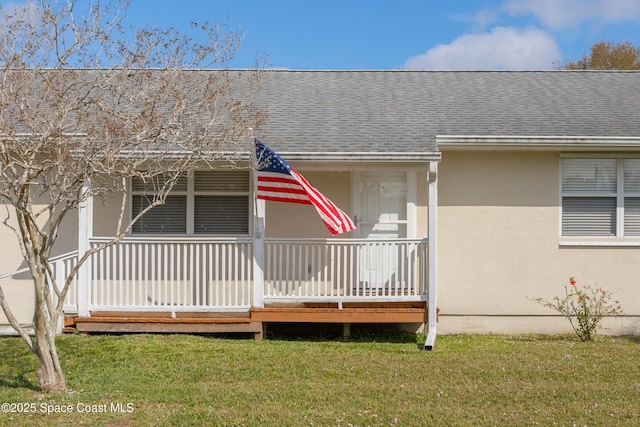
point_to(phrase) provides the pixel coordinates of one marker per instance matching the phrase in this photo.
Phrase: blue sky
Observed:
(406, 34)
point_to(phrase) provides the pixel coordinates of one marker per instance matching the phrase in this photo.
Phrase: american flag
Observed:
(280, 182)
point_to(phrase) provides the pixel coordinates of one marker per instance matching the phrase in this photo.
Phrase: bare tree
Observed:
(607, 56)
(86, 104)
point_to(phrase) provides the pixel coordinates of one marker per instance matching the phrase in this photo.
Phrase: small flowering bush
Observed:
(584, 307)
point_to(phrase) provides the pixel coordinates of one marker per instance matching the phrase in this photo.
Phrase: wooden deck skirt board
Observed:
(121, 324)
(337, 315)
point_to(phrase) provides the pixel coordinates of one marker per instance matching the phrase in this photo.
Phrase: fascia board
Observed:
(319, 157)
(372, 157)
(539, 142)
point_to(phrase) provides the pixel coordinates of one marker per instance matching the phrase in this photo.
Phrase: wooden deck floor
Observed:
(253, 321)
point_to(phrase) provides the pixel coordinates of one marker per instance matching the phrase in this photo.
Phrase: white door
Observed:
(381, 213)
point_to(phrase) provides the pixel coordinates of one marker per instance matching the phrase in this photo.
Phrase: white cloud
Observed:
(558, 14)
(504, 48)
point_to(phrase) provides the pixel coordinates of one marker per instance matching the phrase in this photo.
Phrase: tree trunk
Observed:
(50, 373)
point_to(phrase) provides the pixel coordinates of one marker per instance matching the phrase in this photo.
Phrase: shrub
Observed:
(584, 307)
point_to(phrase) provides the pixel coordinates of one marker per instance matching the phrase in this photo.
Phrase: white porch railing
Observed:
(202, 274)
(61, 267)
(339, 270)
(153, 274)
(147, 274)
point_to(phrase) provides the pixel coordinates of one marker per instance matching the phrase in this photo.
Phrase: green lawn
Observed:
(162, 380)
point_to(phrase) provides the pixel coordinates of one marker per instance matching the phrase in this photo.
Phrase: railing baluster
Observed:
(225, 278)
(189, 275)
(152, 277)
(332, 269)
(342, 272)
(279, 275)
(144, 274)
(182, 274)
(127, 276)
(217, 275)
(307, 268)
(207, 282)
(241, 268)
(353, 278)
(236, 274)
(168, 274)
(101, 281)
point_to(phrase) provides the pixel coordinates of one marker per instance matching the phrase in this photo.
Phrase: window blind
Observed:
(632, 216)
(589, 175)
(632, 175)
(169, 218)
(222, 181)
(221, 214)
(587, 216)
(155, 183)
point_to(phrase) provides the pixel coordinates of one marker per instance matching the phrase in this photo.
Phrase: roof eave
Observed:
(370, 157)
(492, 142)
(318, 157)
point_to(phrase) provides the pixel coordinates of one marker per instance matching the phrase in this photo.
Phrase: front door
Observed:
(381, 213)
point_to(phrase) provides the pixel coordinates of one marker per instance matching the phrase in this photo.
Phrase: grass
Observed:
(184, 380)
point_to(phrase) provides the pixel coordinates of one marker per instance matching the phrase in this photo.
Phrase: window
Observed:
(205, 202)
(600, 197)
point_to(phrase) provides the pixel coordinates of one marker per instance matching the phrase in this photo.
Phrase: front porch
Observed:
(192, 278)
(220, 285)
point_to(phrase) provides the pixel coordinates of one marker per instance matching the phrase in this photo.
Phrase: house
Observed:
(472, 192)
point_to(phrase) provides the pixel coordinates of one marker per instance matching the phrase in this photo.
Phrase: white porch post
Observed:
(432, 305)
(258, 240)
(258, 255)
(85, 231)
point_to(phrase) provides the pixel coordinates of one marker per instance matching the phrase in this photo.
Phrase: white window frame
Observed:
(619, 239)
(191, 194)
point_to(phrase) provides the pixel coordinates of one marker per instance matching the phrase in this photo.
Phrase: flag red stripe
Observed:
(267, 178)
(267, 189)
(286, 200)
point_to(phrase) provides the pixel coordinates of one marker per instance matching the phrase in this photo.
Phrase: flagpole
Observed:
(258, 235)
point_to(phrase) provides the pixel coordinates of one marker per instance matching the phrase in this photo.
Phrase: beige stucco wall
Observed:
(19, 289)
(499, 246)
(106, 211)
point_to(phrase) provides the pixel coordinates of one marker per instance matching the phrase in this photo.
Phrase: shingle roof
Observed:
(403, 111)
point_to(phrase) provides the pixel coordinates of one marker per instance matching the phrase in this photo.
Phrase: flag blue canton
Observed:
(269, 161)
